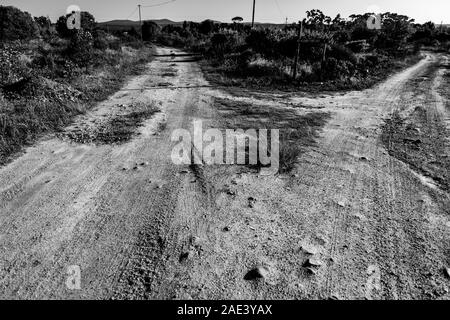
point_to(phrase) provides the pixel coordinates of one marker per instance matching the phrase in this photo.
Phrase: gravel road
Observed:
(350, 222)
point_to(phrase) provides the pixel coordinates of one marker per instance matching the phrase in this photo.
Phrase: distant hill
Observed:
(115, 25)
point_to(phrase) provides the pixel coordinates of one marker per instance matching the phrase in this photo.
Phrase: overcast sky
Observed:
(223, 10)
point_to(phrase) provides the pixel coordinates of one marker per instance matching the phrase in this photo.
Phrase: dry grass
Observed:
(419, 143)
(118, 129)
(297, 132)
(26, 117)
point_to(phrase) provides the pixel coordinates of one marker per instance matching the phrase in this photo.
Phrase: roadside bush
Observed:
(21, 122)
(44, 25)
(149, 30)
(12, 68)
(171, 40)
(262, 67)
(245, 58)
(334, 69)
(16, 24)
(260, 41)
(80, 49)
(206, 27)
(100, 40)
(342, 53)
(218, 42)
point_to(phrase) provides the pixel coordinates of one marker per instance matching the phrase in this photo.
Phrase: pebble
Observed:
(184, 256)
(251, 202)
(313, 262)
(311, 270)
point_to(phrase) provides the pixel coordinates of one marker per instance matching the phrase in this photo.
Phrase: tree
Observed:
(218, 42)
(429, 26)
(16, 24)
(43, 22)
(237, 19)
(149, 30)
(133, 33)
(316, 19)
(206, 27)
(395, 31)
(87, 23)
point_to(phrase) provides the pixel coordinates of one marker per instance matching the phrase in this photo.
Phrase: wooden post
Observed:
(324, 52)
(140, 22)
(297, 53)
(253, 16)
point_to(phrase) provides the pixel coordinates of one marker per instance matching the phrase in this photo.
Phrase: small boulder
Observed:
(447, 272)
(251, 202)
(256, 273)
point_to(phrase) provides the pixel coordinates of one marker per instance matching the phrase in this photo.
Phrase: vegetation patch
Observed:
(420, 144)
(46, 81)
(298, 132)
(117, 129)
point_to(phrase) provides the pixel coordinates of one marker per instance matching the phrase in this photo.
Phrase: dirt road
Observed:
(351, 221)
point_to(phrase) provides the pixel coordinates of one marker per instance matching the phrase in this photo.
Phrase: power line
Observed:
(134, 11)
(279, 8)
(158, 4)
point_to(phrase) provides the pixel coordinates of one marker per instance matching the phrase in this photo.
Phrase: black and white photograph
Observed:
(215, 151)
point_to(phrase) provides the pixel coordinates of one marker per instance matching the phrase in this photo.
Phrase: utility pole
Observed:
(297, 53)
(253, 16)
(140, 21)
